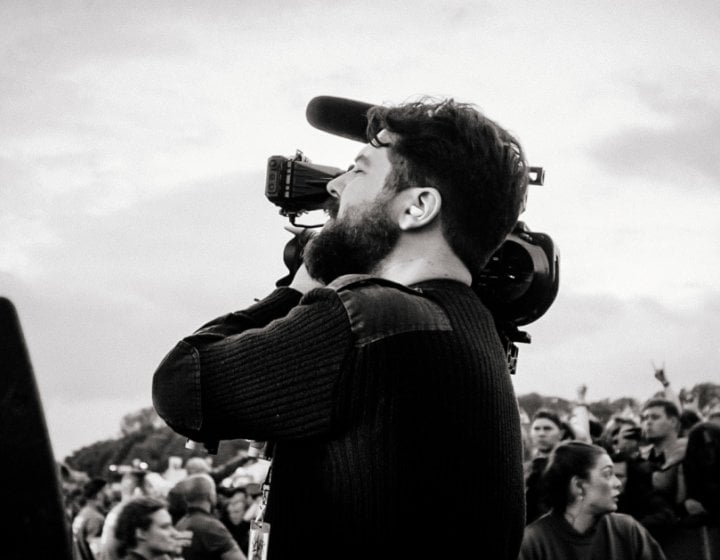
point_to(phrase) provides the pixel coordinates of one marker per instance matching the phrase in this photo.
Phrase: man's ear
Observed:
(676, 423)
(419, 207)
(139, 534)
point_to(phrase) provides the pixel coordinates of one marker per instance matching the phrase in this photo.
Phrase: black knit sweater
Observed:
(395, 421)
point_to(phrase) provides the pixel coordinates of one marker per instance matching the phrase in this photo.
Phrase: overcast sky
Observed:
(134, 138)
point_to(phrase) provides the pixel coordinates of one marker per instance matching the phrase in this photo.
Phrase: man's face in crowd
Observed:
(159, 537)
(545, 434)
(236, 507)
(361, 231)
(621, 472)
(106, 497)
(657, 425)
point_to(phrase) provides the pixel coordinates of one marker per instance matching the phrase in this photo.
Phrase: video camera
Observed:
(519, 283)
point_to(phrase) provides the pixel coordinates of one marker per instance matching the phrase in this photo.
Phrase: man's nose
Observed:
(336, 186)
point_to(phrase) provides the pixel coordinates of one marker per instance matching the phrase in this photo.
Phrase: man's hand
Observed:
(302, 281)
(581, 393)
(690, 399)
(660, 375)
(182, 539)
(298, 278)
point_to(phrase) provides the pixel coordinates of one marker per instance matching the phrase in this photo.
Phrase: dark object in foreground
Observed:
(36, 526)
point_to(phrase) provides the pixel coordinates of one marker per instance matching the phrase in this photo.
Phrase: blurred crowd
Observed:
(647, 481)
(215, 504)
(660, 483)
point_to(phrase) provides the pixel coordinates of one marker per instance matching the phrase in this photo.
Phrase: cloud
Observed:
(682, 148)
(49, 53)
(609, 344)
(20, 236)
(112, 293)
(100, 419)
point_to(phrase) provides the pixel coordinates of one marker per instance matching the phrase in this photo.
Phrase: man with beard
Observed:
(660, 471)
(378, 372)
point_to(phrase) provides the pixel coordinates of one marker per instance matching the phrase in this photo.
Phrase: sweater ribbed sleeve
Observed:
(264, 373)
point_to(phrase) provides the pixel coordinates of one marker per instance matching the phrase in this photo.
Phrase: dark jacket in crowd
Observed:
(616, 536)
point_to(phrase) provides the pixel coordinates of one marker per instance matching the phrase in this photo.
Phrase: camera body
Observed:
(296, 185)
(518, 285)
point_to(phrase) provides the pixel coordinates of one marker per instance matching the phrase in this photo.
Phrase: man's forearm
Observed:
(260, 373)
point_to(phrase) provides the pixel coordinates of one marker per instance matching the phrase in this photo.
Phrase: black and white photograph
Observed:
(343, 279)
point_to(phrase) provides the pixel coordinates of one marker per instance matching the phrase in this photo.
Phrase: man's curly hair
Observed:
(478, 167)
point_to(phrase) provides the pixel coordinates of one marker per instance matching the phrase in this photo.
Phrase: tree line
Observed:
(145, 437)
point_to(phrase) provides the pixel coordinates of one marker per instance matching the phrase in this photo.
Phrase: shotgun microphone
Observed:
(339, 116)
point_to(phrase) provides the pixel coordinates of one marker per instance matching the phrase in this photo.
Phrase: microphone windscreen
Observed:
(339, 116)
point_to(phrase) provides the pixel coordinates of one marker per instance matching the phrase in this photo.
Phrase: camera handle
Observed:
(293, 255)
(510, 335)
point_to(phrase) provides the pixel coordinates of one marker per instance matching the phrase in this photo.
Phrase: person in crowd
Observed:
(687, 402)
(144, 531)
(621, 466)
(697, 534)
(199, 465)
(211, 540)
(133, 484)
(659, 486)
(254, 493)
(666, 450)
(174, 471)
(582, 426)
(378, 345)
(595, 431)
(527, 450)
(668, 392)
(713, 414)
(546, 432)
(582, 491)
(176, 496)
(702, 475)
(72, 483)
(701, 467)
(233, 515)
(688, 419)
(88, 523)
(638, 498)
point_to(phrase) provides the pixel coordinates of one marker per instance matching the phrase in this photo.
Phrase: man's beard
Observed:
(355, 244)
